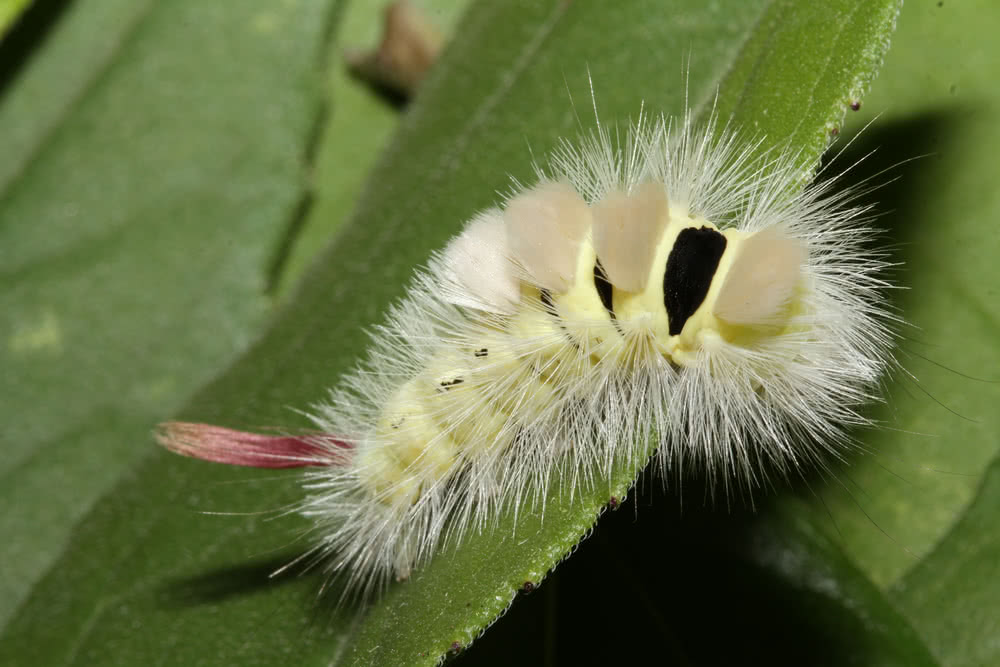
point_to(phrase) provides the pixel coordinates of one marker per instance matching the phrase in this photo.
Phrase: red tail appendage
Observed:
(224, 445)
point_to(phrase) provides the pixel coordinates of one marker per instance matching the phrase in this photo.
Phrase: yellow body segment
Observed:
(408, 449)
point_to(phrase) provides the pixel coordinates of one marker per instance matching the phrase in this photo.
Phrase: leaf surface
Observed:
(10, 11)
(926, 527)
(140, 207)
(934, 107)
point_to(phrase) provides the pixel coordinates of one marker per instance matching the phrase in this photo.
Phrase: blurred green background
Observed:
(169, 172)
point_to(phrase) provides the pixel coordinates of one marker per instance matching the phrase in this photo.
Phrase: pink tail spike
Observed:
(224, 445)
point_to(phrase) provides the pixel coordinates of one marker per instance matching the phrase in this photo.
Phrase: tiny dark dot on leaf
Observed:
(855, 105)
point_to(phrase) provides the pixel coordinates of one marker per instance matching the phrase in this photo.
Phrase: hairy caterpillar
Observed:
(680, 285)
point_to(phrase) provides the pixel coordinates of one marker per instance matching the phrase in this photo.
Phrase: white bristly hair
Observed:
(497, 374)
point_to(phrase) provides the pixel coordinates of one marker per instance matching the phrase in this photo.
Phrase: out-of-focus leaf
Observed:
(921, 513)
(361, 122)
(152, 157)
(61, 53)
(953, 595)
(701, 586)
(10, 10)
(939, 104)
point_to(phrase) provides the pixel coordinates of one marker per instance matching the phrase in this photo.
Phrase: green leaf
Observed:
(141, 203)
(953, 595)
(360, 125)
(148, 577)
(788, 91)
(66, 53)
(702, 587)
(927, 532)
(937, 104)
(10, 11)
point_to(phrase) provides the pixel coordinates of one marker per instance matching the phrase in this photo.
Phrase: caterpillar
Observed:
(678, 286)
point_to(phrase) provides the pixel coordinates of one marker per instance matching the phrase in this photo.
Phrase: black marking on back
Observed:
(550, 305)
(690, 269)
(446, 385)
(604, 289)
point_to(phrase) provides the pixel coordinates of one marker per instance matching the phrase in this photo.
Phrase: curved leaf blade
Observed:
(803, 67)
(953, 595)
(696, 586)
(130, 166)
